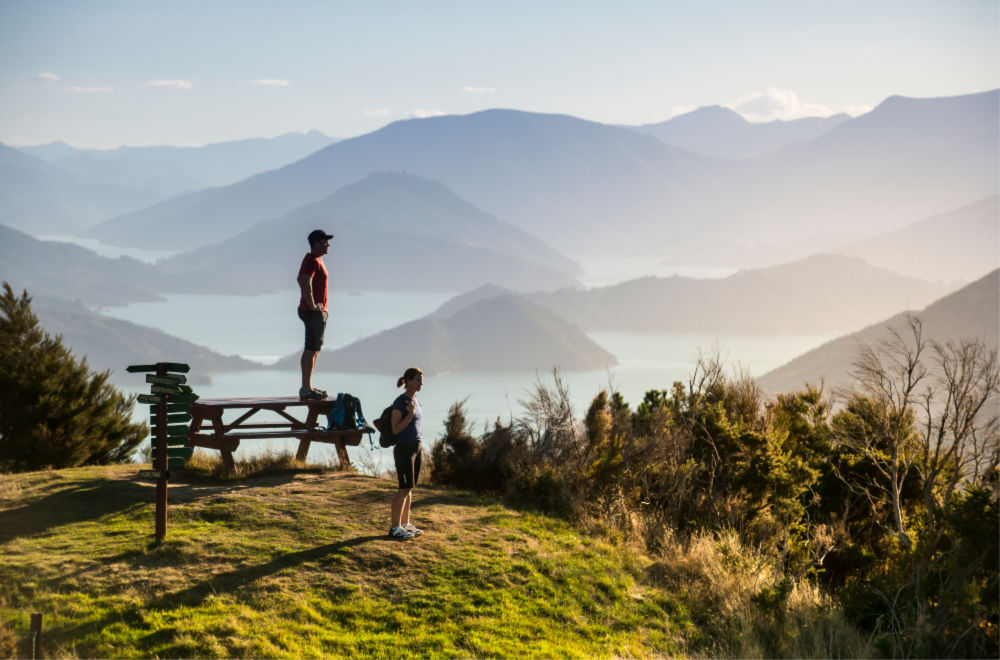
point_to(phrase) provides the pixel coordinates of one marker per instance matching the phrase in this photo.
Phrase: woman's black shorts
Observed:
(315, 323)
(407, 463)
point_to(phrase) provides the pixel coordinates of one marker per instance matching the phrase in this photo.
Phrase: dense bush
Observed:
(54, 411)
(887, 500)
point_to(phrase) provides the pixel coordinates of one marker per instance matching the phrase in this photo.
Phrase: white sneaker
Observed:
(400, 533)
(412, 529)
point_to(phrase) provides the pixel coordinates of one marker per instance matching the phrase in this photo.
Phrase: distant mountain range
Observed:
(501, 333)
(591, 188)
(70, 272)
(165, 171)
(973, 311)
(961, 244)
(40, 198)
(823, 294)
(109, 343)
(392, 231)
(722, 133)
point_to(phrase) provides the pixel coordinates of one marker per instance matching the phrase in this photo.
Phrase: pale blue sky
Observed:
(103, 73)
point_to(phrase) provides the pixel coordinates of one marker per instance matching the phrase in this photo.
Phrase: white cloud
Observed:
(377, 112)
(776, 104)
(270, 82)
(103, 89)
(46, 76)
(172, 84)
(478, 90)
(856, 110)
(420, 113)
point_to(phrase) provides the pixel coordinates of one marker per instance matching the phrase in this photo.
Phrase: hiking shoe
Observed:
(400, 533)
(412, 529)
(324, 393)
(307, 393)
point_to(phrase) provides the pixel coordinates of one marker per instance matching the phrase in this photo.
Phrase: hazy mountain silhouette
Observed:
(166, 170)
(392, 231)
(110, 343)
(960, 244)
(566, 180)
(823, 294)
(40, 198)
(588, 187)
(72, 272)
(501, 333)
(52, 151)
(722, 133)
(973, 311)
(905, 159)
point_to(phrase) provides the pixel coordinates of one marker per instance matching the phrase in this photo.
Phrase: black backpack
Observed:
(386, 438)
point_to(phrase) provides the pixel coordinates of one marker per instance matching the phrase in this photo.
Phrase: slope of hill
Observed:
(721, 133)
(72, 272)
(823, 294)
(167, 170)
(40, 198)
(298, 564)
(563, 179)
(503, 333)
(961, 244)
(392, 231)
(973, 311)
(110, 343)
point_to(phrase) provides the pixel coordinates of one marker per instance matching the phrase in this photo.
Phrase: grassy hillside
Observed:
(297, 564)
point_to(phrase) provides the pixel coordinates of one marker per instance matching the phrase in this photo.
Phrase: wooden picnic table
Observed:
(225, 436)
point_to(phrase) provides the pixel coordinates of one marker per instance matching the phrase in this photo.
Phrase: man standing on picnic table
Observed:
(313, 309)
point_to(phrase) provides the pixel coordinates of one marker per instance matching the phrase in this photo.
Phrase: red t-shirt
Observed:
(315, 267)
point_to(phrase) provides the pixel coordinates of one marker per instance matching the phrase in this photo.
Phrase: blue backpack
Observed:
(346, 413)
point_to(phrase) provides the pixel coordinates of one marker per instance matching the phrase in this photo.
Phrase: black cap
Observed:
(318, 235)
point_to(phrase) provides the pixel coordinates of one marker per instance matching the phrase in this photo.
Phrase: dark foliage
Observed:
(54, 411)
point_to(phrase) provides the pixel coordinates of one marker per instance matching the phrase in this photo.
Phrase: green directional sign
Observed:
(178, 417)
(171, 406)
(176, 429)
(179, 452)
(172, 462)
(139, 368)
(185, 388)
(178, 367)
(186, 397)
(150, 474)
(165, 389)
(177, 441)
(149, 398)
(175, 379)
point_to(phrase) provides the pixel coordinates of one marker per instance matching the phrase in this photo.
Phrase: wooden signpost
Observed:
(170, 401)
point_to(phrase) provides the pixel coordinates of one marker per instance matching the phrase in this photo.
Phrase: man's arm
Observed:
(305, 285)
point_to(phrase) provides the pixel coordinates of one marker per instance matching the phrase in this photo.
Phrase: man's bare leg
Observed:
(308, 365)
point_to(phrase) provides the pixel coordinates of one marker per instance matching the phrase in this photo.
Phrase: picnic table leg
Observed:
(345, 462)
(220, 433)
(303, 449)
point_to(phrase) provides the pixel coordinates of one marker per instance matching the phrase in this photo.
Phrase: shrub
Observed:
(54, 411)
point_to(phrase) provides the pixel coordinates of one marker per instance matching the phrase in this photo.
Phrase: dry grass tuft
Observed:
(754, 610)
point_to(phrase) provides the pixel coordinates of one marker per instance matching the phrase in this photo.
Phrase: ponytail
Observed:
(407, 375)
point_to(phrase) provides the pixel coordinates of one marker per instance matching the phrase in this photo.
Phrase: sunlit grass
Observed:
(295, 562)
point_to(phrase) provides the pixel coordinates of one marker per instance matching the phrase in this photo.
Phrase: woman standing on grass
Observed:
(406, 427)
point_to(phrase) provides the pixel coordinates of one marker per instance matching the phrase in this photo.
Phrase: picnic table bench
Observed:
(225, 436)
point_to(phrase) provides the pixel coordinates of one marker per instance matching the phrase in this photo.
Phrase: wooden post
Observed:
(161, 458)
(35, 637)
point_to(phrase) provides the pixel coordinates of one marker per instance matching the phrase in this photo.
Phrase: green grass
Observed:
(298, 564)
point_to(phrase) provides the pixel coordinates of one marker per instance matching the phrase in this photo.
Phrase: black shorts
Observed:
(407, 463)
(315, 323)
